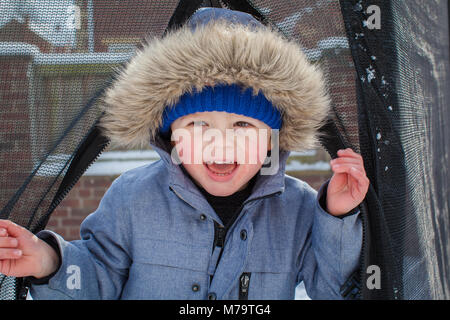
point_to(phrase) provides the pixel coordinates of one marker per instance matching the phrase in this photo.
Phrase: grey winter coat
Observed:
(152, 238)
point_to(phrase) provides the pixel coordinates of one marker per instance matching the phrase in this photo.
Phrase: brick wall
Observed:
(82, 200)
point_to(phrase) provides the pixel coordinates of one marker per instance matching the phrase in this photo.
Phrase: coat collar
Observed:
(185, 189)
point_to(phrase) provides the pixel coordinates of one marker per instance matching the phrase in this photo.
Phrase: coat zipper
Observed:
(244, 284)
(221, 233)
(245, 277)
(221, 239)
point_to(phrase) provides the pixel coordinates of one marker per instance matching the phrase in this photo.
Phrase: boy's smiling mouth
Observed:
(221, 171)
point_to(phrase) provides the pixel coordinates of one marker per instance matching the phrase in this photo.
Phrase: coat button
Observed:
(243, 234)
(212, 296)
(202, 217)
(195, 287)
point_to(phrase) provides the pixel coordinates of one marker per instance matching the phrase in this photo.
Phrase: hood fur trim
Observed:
(215, 53)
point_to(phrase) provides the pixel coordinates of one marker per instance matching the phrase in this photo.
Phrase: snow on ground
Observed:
(300, 292)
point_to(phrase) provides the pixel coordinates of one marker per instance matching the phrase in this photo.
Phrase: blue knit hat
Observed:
(229, 98)
(222, 97)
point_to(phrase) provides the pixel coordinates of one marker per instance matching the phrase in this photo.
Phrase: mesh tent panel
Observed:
(403, 108)
(423, 76)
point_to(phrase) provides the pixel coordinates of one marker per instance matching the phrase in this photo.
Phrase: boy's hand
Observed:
(349, 184)
(22, 254)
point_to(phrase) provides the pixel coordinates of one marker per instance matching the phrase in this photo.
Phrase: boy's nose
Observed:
(225, 154)
(221, 147)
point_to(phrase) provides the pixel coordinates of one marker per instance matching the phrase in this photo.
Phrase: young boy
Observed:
(210, 220)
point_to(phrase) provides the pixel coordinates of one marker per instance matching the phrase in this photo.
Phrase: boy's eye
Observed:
(243, 124)
(197, 122)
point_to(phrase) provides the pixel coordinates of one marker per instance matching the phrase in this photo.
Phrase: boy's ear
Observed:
(169, 138)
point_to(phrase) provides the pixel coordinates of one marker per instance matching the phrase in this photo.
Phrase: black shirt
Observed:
(226, 207)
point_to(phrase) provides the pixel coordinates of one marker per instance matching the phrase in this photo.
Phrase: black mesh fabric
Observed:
(52, 72)
(403, 96)
(390, 93)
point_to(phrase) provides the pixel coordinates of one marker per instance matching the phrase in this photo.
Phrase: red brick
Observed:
(70, 203)
(70, 222)
(59, 230)
(99, 193)
(73, 234)
(14, 116)
(53, 222)
(80, 212)
(7, 126)
(60, 212)
(15, 95)
(97, 182)
(91, 203)
(84, 193)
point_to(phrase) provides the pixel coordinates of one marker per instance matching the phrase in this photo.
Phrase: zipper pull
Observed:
(244, 284)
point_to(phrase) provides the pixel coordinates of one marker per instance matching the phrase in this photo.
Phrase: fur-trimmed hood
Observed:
(220, 51)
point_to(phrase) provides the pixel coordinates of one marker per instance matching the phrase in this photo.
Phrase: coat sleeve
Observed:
(332, 250)
(95, 267)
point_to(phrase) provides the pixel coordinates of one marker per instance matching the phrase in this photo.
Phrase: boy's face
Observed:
(203, 138)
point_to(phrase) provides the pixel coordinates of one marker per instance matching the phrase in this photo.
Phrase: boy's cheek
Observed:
(186, 150)
(254, 158)
(252, 151)
(249, 170)
(184, 153)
